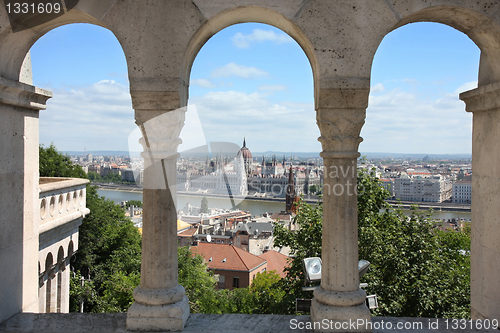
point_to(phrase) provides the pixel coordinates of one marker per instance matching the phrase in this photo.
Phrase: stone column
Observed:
(339, 300)
(484, 103)
(160, 302)
(19, 107)
(65, 271)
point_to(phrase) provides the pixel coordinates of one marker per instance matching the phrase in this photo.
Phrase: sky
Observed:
(252, 80)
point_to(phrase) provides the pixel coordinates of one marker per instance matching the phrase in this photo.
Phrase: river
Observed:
(254, 207)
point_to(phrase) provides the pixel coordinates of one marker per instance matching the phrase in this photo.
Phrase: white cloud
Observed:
(407, 122)
(276, 87)
(465, 87)
(203, 83)
(378, 88)
(258, 35)
(98, 117)
(233, 69)
(228, 116)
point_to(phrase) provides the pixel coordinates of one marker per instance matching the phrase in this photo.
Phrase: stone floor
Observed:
(115, 323)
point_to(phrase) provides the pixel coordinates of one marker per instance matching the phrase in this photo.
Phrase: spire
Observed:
(244, 143)
(290, 191)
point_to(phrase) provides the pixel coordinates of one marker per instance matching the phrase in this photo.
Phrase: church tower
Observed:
(290, 191)
(247, 157)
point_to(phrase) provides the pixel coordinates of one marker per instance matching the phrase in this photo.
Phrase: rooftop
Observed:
(227, 257)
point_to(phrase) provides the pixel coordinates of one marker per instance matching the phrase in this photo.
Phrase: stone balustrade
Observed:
(62, 209)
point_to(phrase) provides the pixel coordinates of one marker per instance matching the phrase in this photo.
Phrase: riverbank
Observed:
(442, 207)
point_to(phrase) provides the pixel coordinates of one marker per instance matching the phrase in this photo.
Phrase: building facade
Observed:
(462, 192)
(434, 188)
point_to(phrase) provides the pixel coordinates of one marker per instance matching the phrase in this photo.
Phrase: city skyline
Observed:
(253, 80)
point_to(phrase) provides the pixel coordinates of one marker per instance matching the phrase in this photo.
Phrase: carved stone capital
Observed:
(340, 129)
(160, 135)
(484, 98)
(23, 95)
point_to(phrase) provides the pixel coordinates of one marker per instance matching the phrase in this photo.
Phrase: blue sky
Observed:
(253, 80)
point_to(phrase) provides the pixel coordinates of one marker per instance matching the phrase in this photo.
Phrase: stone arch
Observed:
(15, 46)
(244, 15)
(48, 289)
(71, 247)
(481, 29)
(60, 269)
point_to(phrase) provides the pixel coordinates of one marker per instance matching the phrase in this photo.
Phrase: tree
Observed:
(109, 253)
(416, 270)
(304, 242)
(315, 189)
(267, 293)
(54, 164)
(94, 176)
(136, 203)
(204, 205)
(197, 280)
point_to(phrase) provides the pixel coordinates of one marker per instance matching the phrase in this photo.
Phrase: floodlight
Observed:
(312, 268)
(363, 266)
(372, 302)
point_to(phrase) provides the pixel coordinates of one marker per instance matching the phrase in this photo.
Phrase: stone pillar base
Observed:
(155, 318)
(349, 312)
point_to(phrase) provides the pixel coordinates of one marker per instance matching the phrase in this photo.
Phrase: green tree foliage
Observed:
(204, 205)
(136, 203)
(196, 279)
(315, 189)
(268, 293)
(304, 242)
(416, 270)
(54, 164)
(109, 254)
(94, 176)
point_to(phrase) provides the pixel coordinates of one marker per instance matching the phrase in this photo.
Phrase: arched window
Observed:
(48, 284)
(60, 269)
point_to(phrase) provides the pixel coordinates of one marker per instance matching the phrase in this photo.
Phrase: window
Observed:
(236, 282)
(222, 282)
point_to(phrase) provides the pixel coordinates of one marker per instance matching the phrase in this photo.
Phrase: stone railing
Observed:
(62, 209)
(61, 200)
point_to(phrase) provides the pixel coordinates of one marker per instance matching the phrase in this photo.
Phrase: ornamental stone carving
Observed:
(160, 135)
(340, 130)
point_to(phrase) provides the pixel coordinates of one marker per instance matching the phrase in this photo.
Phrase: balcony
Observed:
(61, 203)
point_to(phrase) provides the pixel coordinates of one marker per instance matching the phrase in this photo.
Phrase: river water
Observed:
(254, 207)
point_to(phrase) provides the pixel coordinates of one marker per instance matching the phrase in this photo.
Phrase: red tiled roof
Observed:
(282, 216)
(275, 262)
(236, 258)
(188, 232)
